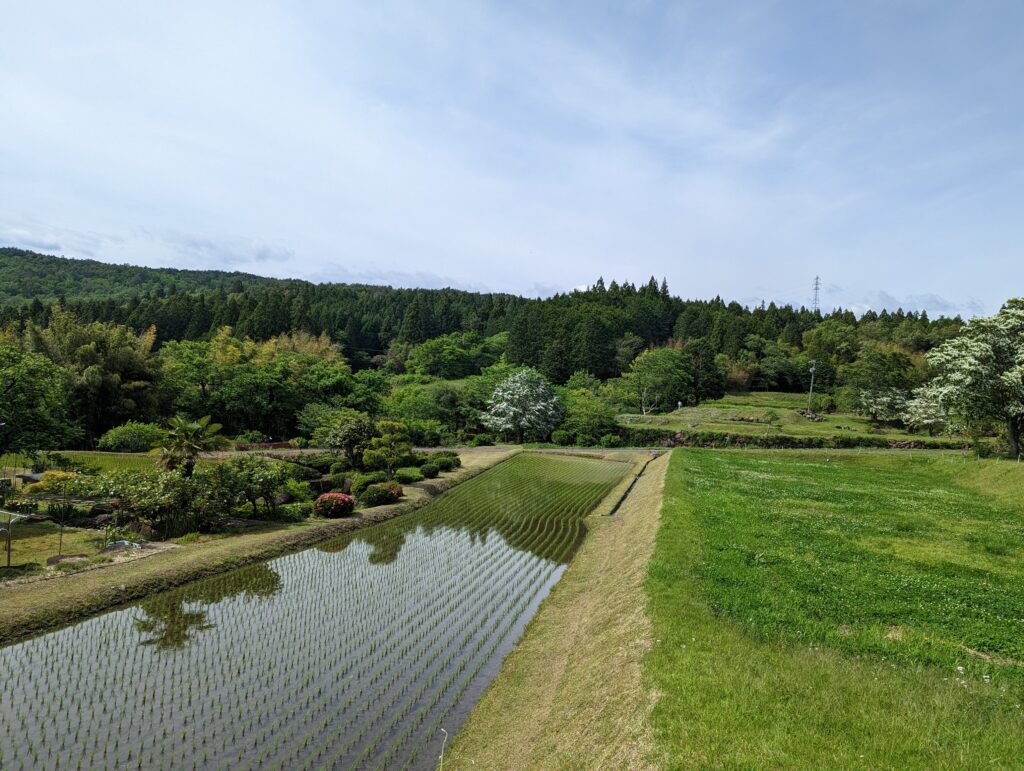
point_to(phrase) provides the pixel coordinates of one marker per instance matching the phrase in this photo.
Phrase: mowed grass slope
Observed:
(571, 695)
(838, 608)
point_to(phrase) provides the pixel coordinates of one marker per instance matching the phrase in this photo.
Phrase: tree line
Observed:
(276, 359)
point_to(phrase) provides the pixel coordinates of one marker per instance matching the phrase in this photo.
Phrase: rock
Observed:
(142, 530)
(282, 498)
(323, 484)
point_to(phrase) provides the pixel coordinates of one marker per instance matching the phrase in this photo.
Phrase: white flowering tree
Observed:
(981, 372)
(524, 405)
(924, 413)
(882, 405)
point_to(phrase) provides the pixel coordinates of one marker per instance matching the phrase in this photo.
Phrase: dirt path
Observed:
(571, 694)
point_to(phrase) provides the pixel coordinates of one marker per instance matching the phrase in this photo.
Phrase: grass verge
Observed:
(570, 695)
(836, 610)
(35, 606)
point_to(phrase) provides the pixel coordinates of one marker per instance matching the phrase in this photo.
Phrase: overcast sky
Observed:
(736, 148)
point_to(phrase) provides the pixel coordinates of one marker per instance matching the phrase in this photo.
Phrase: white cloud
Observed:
(482, 146)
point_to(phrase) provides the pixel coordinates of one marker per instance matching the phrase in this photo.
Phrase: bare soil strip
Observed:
(571, 694)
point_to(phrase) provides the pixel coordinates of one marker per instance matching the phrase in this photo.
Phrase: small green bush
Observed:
(340, 467)
(562, 438)
(429, 470)
(408, 476)
(361, 481)
(299, 491)
(610, 440)
(379, 495)
(52, 483)
(294, 512)
(130, 437)
(322, 462)
(483, 440)
(251, 437)
(299, 471)
(444, 464)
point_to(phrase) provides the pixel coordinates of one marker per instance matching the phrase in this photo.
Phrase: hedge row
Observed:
(645, 437)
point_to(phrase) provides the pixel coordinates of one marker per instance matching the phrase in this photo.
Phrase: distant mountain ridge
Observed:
(26, 275)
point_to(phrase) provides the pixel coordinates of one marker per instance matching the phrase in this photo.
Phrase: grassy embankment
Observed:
(838, 610)
(571, 693)
(35, 604)
(803, 609)
(748, 414)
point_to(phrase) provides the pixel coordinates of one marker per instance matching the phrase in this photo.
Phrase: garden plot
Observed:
(365, 652)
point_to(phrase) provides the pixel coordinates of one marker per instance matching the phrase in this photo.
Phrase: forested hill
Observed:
(191, 305)
(599, 330)
(27, 276)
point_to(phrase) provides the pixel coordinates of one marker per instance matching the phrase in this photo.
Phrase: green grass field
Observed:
(748, 414)
(838, 609)
(104, 461)
(38, 541)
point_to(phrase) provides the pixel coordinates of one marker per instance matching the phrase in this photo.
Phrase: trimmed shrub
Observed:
(444, 463)
(294, 512)
(380, 495)
(361, 481)
(322, 462)
(610, 440)
(429, 470)
(298, 491)
(340, 467)
(408, 476)
(562, 438)
(130, 437)
(251, 437)
(52, 483)
(482, 440)
(299, 471)
(334, 505)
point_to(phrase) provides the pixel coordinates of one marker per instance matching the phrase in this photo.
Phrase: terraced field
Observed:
(365, 652)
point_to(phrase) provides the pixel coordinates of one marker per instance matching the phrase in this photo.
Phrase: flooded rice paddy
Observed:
(365, 652)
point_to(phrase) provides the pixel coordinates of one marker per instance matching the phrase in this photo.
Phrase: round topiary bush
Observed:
(563, 438)
(334, 505)
(380, 494)
(340, 467)
(443, 462)
(408, 476)
(251, 437)
(429, 470)
(361, 481)
(130, 437)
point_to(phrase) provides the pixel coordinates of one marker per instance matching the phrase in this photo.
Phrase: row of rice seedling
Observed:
(353, 654)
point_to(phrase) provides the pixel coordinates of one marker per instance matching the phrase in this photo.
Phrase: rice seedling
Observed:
(364, 652)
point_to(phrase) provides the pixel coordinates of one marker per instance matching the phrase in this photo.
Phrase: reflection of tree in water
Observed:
(545, 537)
(170, 625)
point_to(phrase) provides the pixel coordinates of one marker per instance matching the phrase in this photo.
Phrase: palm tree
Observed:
(185, 441)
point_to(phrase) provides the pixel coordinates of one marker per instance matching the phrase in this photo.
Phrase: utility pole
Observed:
(817, 292)
(810, 394)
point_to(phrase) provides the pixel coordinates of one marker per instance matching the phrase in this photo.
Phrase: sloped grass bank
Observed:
(837, 609)
(571, 694)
